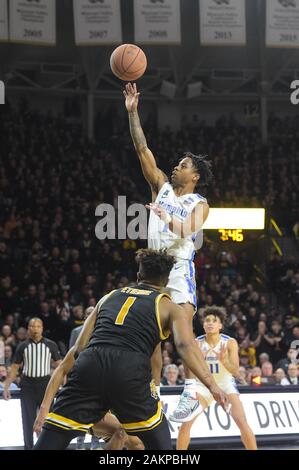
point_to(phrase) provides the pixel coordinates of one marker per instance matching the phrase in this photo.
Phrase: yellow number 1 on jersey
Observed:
(124, 310)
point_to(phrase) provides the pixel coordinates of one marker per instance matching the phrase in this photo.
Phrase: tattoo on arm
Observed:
(136, 131)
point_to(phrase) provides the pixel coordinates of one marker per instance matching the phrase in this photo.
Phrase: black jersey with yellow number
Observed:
(129, 319)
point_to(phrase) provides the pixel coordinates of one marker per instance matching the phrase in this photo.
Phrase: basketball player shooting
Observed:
(177, 215)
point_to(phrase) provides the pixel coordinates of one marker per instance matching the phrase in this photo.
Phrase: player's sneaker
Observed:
(188, 407)
(95, 444)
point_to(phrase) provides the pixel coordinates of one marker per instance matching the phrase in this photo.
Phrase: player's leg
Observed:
(158, 438)
(205, 399)
(188, 406)
(238, 415)
(190, 381)
(52, 439)
(134, 402)
(182, 289)
(183, 439)
(80, 402)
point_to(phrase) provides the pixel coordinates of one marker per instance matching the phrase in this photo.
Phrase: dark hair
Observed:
(202, 166)
(154, 265)
(216, 312)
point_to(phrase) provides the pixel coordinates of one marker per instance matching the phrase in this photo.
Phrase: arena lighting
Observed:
(244, 219)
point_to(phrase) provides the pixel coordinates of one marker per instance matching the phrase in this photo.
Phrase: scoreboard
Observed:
(232, 224)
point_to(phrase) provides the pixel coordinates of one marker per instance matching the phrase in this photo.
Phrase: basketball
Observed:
(128, 62)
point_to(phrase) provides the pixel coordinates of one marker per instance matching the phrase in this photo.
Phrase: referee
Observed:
(35, 355)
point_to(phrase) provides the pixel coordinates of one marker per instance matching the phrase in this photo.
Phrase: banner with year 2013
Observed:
(33, 22)
(222, 22)
(97, 23)
(282, 23)
(157, 22)
(3, 21)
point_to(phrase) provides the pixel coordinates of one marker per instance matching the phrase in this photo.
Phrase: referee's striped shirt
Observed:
(36, 357)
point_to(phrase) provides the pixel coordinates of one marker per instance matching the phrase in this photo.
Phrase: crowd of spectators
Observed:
(53, 266)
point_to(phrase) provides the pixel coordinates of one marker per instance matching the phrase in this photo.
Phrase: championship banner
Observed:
(3, 21)
(33, 22)
(97, 23)
(157, 21)
(282, 23)
(222, 22)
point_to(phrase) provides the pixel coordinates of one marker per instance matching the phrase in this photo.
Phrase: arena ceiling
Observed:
(232, 72)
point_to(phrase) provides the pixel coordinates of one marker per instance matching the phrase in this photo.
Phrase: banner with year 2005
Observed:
(222, 22)
(282, 23)
(3, 21)
(97, 23)
(33, 22)
(157, 21)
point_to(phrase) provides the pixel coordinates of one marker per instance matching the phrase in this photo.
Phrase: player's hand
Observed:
(220, 397)
(6, 394)
(222, 356)
(39, 422)
(132, 97)
(159, 211)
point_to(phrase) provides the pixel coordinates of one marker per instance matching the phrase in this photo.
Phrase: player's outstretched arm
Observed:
(55, 381)
(154, 176)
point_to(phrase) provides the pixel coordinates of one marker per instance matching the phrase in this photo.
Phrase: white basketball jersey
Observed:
(220, 373)
(159, 235)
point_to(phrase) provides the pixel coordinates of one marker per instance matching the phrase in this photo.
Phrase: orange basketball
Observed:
(128, 62)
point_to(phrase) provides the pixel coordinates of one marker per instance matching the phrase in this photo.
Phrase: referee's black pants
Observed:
(32, 394)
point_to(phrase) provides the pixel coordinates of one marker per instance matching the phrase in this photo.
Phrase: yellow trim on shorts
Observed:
(132, 431)
(60, 426)
(147, 425)
(157, 302)
(87, 431)
(61, 421)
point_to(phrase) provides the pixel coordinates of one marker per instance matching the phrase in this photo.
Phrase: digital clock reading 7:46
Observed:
(236, 235)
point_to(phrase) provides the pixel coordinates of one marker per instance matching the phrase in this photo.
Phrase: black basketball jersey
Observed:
(130, 319)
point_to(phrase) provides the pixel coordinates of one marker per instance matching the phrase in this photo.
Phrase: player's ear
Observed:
(196, 178)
